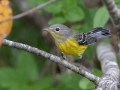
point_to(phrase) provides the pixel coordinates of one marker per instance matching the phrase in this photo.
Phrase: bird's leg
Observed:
(64, 56)
(80, 57)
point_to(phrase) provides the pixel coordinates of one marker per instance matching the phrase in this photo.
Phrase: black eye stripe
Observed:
(57, 29)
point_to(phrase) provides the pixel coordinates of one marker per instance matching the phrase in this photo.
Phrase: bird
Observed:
(71, 42)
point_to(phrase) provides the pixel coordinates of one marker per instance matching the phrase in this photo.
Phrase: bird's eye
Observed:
(57, 29)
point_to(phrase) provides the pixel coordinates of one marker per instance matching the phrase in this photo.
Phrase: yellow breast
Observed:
(71, 47)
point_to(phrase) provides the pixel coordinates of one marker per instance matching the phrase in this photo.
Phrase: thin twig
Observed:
(29, 11)
(114, 13)
(54, 58)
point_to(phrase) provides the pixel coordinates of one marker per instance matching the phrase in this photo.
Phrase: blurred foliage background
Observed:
(21, 70)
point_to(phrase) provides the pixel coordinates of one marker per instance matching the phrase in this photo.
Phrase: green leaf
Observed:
(89, 52)
(85, 84)
(9, 77)
(61, 87)
(117, 1)
(70, 80)
(66, 4)
(27, 66)
(76, 27)
(17, 86)
(54, 8)
(118, 58)
(42, 84)
(35, 3)
(55, 20)
(96, 72)
(106, 39)
(74, 14)
(101, 17)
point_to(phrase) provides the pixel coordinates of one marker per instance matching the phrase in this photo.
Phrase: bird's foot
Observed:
(80, 57)
(63, 57)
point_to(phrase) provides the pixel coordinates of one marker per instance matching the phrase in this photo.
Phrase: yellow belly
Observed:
(71, 47)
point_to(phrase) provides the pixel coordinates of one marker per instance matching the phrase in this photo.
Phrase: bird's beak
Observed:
(45, 29)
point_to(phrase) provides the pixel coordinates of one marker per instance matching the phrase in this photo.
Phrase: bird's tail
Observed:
(92, 36)
(96, 33)
(99, 32)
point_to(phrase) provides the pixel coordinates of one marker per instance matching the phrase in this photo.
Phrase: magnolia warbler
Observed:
(72, 42)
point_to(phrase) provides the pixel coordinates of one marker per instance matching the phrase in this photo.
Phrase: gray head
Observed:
(59, 29)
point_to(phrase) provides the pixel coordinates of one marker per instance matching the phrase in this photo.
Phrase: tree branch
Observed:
(114, 13)
(107, 58)
(28, 12)
(54, 58)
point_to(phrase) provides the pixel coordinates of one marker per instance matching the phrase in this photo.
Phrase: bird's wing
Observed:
(84, 39)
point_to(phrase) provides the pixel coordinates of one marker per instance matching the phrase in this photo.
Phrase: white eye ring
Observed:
(57, 29)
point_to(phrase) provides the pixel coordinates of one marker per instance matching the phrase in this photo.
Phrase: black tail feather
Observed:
(92, 36)
(99, 32)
